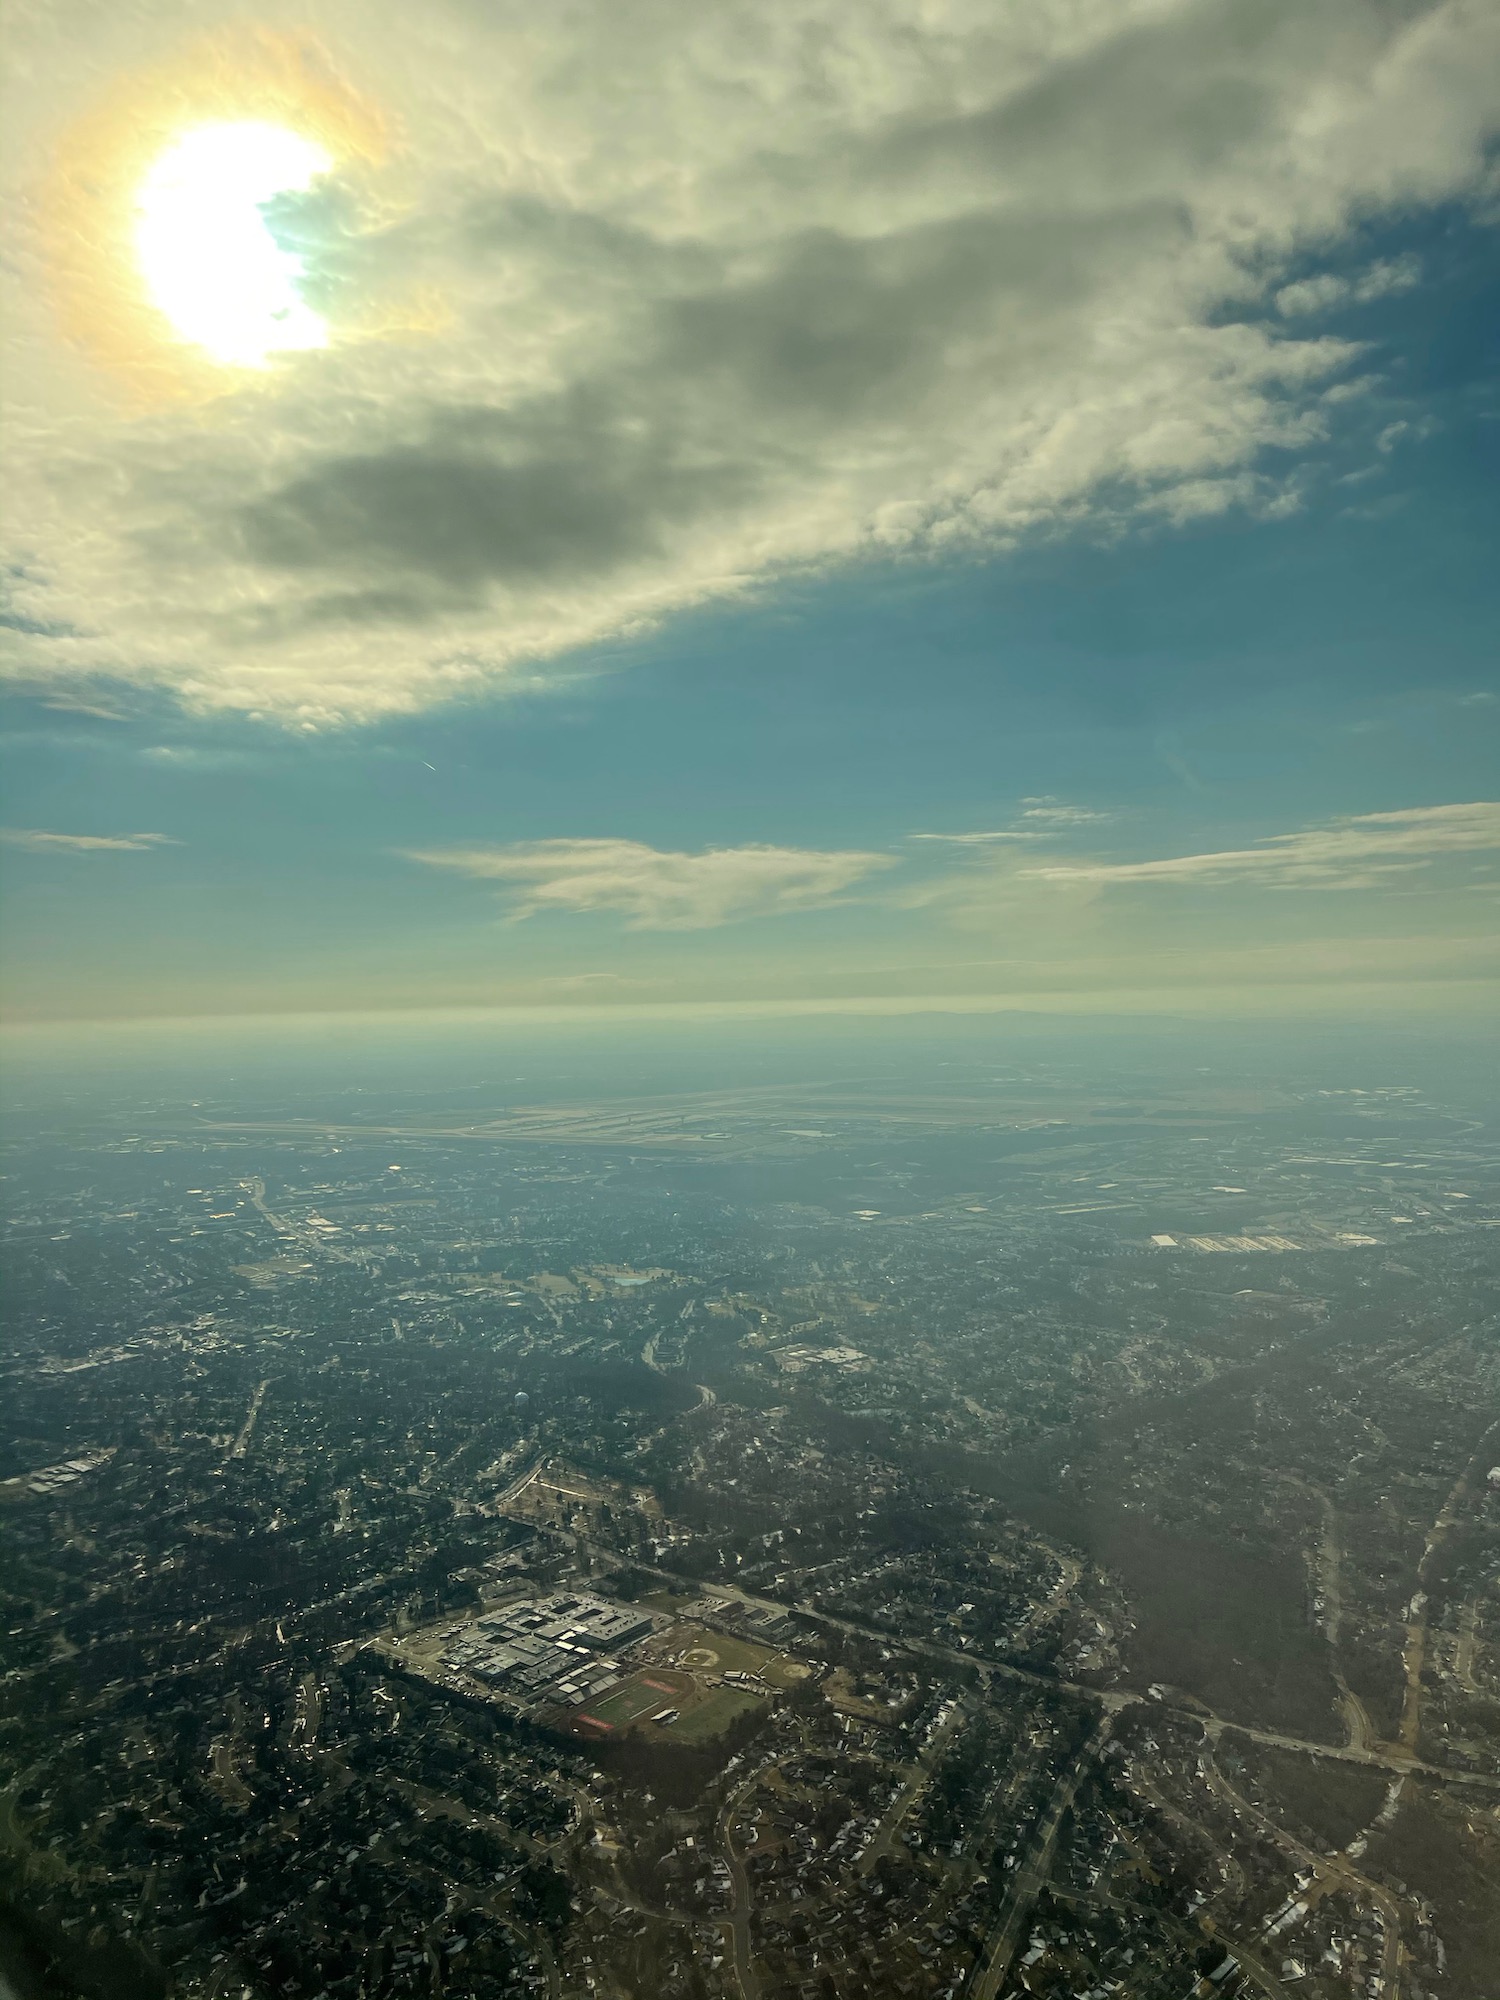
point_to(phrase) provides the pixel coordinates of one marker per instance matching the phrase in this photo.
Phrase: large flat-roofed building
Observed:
(552, 1643)
(588, 1622)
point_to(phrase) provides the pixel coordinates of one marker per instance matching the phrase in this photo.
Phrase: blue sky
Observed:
(1219, 733)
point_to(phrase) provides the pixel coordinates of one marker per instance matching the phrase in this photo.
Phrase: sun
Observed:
(209, 260)
(160, 259)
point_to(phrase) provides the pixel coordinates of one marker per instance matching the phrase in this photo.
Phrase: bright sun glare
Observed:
(209, 261)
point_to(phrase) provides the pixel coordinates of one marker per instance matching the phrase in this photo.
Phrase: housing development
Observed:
(983, 1534)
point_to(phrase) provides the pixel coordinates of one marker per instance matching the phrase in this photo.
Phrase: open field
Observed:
(759, 1119)
(702, 1651)
(665, 1599)
(711, 1716)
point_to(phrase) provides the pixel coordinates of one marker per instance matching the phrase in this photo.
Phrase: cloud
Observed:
(1050, 812)
(562, 494)
(649, 302)
(71, 704)
(1327, 290)
(662, 890)
(35, 841)
(1039, 817)
(1363, 852)
(991, 838)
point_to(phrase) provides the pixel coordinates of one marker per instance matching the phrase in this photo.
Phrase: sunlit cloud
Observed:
(1050, 812)
(988, 838)
(680, 301)
(1327, 291)
(35, 840)
(1365, 851)
(661, 890)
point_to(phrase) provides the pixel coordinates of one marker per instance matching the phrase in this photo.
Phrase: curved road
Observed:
(1327, 1870)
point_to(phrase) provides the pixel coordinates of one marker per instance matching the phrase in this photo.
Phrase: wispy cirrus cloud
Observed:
(1365, 851)
(35, 840)
(991, 837)
(1050, 812)
(1038, 818)
(662, 890)
(67, 703)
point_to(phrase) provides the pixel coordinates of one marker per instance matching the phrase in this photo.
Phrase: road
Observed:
(494, 1902)
(241, 1444)
(1388, 1757)
(1415, 1650)
(1361, 1730)
(516, 1488)
(737, 1924)
(999, 1947)
(1329, 1871)
(1464, 1647)
(1235, 1885)
(294, 1232)
(918, 1777)
(1070, 1570)
(1259, 1975)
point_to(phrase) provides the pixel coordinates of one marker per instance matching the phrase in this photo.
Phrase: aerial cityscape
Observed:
(995, 1533)
(749, 982)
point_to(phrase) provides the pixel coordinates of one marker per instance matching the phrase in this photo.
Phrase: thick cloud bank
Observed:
(646, 301)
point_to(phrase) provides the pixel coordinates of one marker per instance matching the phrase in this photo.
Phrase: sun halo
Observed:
(128, 256)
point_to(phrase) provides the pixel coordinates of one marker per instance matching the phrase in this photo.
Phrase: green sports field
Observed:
(708, 1652)
(711, 1716)
(637, 1698)
(703, 1712)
